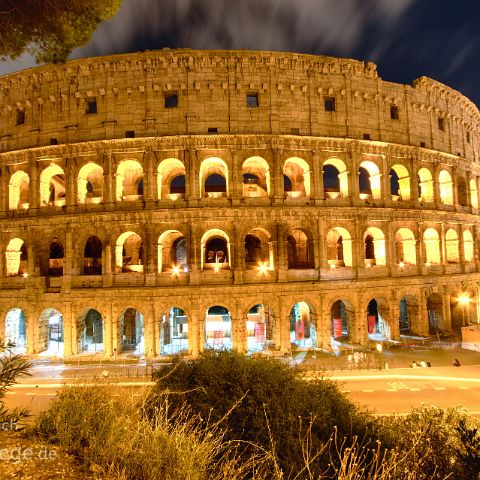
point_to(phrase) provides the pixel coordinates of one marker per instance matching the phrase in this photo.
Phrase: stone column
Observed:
(149, 335)
(4, 190)
(359, 331)
(461, 248)
(194, 344)
(285, 344)
(149, 193)
(108, 176)
(318, 193)
(69, 331)
(424, 324)
(278, 191)
(194, 178)
(34, 187)
(107, 333)
(394, 323)
(71, 196)
(447, 313)
(239, 332)
(322, 247)
(235, 179)
(436, 187)
(116, 342)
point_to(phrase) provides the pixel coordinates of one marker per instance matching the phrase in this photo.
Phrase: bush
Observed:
(264, 402)
(435, 443)
(107, 432)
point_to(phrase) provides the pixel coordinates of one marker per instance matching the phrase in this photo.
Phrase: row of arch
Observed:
(259, 251)
(258, 181)
(261, 327)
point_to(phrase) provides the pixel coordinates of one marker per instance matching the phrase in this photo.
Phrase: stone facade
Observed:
(349, 188)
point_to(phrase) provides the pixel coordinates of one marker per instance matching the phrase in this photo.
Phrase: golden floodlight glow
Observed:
(262, 268)
(216, 268)
(464, 299)
(175, 270)
(401, 264)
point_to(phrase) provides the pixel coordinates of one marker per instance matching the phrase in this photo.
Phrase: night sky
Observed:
(405, 38)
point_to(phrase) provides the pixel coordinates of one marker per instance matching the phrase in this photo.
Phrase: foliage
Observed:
(51, 29)
(106, 430)
(11, 367)
(264, 402)
(441, 443)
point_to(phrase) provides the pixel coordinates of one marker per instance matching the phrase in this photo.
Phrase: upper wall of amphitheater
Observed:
(105, 97)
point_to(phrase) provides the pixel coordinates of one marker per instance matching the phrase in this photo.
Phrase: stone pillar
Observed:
(194, 180)
(456, 205)
(157, 328)
(116, 342)
(239, 332)
(194, 342)
(71, 196)
(461, 248)
(285, 343)
(318, 193)
(4, 190)
(322, 247)
(30, 260)
(107, 264)
(394, 323)
(34, 187)
(424, 328)
(359, 331)
(278, 191)
(447, 312)
(149, 335)
(108, 176)
(107, 333)
(436, 187)
(69, 331)
(235, 179)
(31, 332)
(150, 184)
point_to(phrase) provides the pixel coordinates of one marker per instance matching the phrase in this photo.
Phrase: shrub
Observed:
(264, 402)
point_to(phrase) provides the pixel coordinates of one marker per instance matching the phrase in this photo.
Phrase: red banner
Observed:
(299, 330)
(260, 332)
(372, 324)
(337, 327)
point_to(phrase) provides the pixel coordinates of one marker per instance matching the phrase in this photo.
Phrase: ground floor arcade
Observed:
(275, 318)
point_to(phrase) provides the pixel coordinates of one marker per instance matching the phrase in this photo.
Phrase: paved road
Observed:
(383, 392)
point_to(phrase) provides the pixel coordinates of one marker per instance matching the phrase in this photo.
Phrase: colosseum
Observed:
(177, 200)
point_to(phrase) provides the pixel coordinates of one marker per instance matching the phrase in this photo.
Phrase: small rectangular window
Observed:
(295, 131)
(53, 141)
(91, 106)
(212, 129)
(329, 104)
(394, 112)
(171, 100)
(20, 117)
(130, 134)
(468, 137)
(441, 123)
(366, 136)
(422, 144)
(252, 100)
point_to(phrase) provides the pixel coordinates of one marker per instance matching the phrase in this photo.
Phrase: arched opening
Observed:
(297, 171)
(473, 193)
(378, 328)
(16, 258)
(369, 180)
(432, 246)
(303, 333)
(55, 259)
(213, 178)
(215, 250)
(462, 193)
(52, 186)
(298, 250)
(90, 184)
(408, 315)
(132, 330)
(92, 256)
(374, 244)
(171, 179)
(405, 247)
(258, 250)
(425, 186)
(51, 338)
(260, 328)
(90, 332)
(399, 183)
(468, 245)
(18, 191)
(174, 332)
(218, 328)
(287, 185)
(256, 177)
(341, 315)
(129, 253)
(129, 181)
(16, 330)
(435, 314)
(451, 246)
(446, 187)
(339, 248)
(335, 178)
(172, 252)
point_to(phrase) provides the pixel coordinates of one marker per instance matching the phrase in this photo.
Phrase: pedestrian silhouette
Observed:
(456, 363)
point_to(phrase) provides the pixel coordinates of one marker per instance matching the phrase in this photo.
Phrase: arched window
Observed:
(399, 183)
(215, 250)
(129, 253)
(256, 177)
(213, 178)
(90, 184)
(16, 257)
(298, 172)
(432, 246)
(468, 245)
(129, 181)
(369, 180)
(339, 247)
(473, 192)
(56, 257)
(298, 250)
(92, 256)
(18, 191)
(171, 179)
(335, 178)
(451, 245)
(374, 241)
(462, 193)
(446, 190)
(425, 185)
(172, 252)
(52, 186)
(405, 247)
